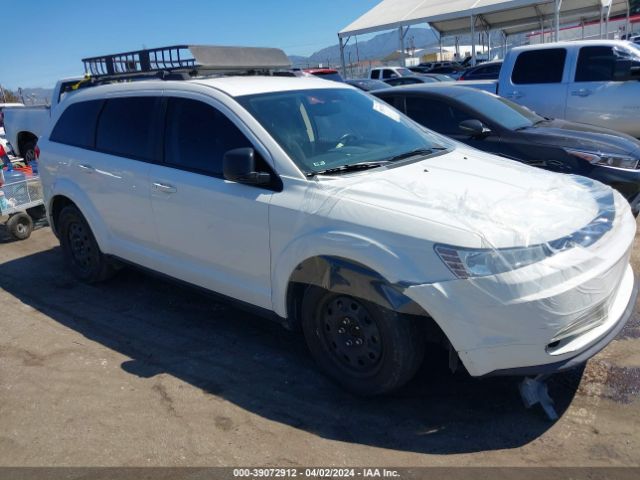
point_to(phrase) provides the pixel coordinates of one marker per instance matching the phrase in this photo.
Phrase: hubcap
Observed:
(351, 335)
(81, 249)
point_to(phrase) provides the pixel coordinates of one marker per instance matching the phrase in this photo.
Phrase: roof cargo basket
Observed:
(193, 59)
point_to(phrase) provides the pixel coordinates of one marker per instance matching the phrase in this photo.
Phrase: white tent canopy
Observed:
(455, 17)
(451, 17)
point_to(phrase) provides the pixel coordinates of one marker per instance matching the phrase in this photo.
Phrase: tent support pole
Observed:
(607, 23)
(402, 56)
(601, 19)
(558, 5)
(473, 40)
(627, 25)
(342, 62)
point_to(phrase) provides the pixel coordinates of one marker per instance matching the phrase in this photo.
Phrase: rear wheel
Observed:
(20, 226)
(366, 348)
(28, 151)
(80, 248)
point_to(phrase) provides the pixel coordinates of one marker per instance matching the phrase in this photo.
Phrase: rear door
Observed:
(597, 97)
(213, 232)
(539, 80)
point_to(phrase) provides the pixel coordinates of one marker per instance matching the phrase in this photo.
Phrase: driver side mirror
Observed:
(239, 165)
(475, 128)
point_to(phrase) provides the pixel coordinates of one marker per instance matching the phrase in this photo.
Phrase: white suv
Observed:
(322, 206)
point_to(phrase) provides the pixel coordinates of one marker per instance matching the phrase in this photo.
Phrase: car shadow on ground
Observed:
(261, 367)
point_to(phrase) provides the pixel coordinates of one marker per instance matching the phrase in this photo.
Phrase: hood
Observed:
(581, 136)
(497, 203)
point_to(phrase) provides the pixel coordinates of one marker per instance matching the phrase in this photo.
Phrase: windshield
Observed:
(404, 72)
(504, 112)
(327, 128)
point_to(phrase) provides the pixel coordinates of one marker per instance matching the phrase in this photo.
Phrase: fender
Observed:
(66, 188)
(343, 262)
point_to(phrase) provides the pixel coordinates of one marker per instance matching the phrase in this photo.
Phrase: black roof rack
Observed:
(190, 59)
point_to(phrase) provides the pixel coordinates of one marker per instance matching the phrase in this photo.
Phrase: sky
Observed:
(44, 40)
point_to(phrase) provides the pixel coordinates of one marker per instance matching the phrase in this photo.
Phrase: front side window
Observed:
(504, 112)
(77, 124)
(197, 136)
(539, 66)
(128, 126)
(324, 128)
(387, 73)
(600, 64)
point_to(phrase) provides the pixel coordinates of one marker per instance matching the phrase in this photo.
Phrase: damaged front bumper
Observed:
(550, 316)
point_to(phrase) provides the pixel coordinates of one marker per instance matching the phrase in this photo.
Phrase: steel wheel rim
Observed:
(81, 246)
(350, 335)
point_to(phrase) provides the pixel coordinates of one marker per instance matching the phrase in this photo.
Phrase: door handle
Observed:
(515, 94)
(86, 168)
(583, 92)
(164, 187)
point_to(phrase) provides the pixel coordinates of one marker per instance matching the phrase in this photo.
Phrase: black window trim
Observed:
(276, 184)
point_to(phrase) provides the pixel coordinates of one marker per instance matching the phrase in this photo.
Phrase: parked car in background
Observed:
(441, 77)
(588, 81)
(383, 73)
(415, 79)
(454, 71)
(497, 125)
(484, 71)
(326, 73)
(322, 207)
(367, 84)
(24, 125)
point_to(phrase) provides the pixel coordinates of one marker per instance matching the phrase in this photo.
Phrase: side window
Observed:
(375, 74)
(128, 127)
(435, 114)
(77, 124)
(197, 136)
(539, 66)
(596, 64)
(386, 73)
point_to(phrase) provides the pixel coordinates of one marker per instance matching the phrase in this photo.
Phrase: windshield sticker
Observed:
(319, 164)
(386, 110)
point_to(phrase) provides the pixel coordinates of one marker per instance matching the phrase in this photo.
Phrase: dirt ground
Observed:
(141, 372)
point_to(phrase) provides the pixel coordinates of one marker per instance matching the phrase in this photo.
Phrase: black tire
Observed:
(80, 249)
(28, 151)
(386, 348)
(20, 226)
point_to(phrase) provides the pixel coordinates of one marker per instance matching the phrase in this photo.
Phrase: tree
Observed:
(7, 96)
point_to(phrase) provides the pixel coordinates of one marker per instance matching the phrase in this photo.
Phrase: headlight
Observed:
(606, 159)
(466, 263)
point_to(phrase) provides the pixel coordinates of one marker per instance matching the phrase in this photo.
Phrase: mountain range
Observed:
(373, 49)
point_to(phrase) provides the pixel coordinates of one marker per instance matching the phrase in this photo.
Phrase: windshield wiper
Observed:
(415, 153)
(352, 167)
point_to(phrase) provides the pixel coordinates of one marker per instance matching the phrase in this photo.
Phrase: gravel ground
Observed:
(141, 372)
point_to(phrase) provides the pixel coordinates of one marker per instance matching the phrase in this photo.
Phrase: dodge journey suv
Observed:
(321, 206)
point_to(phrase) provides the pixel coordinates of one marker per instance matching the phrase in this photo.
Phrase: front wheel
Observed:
(367, 349)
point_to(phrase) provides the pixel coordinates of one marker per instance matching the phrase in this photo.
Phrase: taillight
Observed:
(37, 152)
(2, 152)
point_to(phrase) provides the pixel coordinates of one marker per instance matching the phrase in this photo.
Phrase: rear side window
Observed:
(197, 136)
(128, 127)
(539, 66)
(77, 124)
(435, 114)
(375, 74)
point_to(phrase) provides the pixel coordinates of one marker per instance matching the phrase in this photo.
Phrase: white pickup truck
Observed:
(24, 125)
(591, 81)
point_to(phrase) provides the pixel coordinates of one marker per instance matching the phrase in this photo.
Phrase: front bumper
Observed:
(508, 323)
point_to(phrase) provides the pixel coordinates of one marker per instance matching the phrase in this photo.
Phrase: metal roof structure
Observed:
(455, 17)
